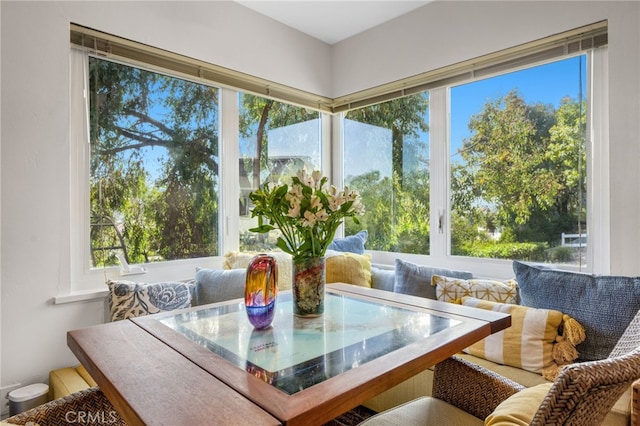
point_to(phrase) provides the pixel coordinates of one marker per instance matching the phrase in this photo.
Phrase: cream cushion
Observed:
(423, 411)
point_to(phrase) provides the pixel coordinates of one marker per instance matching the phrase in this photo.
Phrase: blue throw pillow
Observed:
(352, 243)
(383, 279)
(219, 285)
(416, 279)
(603, 304)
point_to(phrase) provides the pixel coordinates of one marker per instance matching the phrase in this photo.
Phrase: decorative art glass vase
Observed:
(308, 286)
(261, 290)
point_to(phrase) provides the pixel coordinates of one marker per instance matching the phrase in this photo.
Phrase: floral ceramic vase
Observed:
(308, 286)
(260, 290)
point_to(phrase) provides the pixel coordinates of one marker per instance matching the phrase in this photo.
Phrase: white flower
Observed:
(295, 193)
(316, 177)
(309, 219)
(316, 202)
(294, 210)
(322, 216)
(305, 178)
(302, 216)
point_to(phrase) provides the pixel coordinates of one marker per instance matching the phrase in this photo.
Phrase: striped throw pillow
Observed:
(449, 289)
(527, 344)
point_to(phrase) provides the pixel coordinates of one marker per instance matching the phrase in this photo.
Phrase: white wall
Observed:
(34, 153)
(35, 142)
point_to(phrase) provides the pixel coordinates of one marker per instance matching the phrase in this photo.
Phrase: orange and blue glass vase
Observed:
(261, 290)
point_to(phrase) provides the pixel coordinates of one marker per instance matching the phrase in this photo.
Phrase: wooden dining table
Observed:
(208, 365)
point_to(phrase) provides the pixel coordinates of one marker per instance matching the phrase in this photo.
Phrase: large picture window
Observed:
(516, 185)
(154, 165)
(518, 164)
(386, 158)
(485, 161)
(276, 140)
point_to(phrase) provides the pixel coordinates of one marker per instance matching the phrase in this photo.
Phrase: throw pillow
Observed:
(218, 285)
(603, 304)
(415, 279)
(352, 243)
(130, 299)
(530, 342)
(519, 408)
(349, 268)
(453, 289)
(383, 279)
(284, 261)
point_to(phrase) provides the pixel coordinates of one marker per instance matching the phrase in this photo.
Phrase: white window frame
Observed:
(86, 282)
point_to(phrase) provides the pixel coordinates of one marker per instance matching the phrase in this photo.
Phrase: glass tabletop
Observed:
(296, 353)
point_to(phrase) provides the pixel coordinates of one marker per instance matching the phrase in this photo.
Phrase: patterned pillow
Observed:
(527, 344)
(453, 289)
(241, 259)
(349, 268)
(415, 280)
(129, 299)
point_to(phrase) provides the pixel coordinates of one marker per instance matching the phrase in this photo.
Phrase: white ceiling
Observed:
(331, 20)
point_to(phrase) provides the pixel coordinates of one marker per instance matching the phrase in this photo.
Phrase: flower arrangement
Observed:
(307, 212)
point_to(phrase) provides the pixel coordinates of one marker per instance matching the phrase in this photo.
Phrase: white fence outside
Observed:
(574, 240)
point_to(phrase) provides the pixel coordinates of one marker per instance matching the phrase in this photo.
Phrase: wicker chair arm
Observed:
(635, 403)
(66, 410)
(471, 387)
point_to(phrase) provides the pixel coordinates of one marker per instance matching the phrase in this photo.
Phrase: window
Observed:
(512, 185)
(154, 165)
(386, 158)
(172, 157)
(276, 140)
(518, 164)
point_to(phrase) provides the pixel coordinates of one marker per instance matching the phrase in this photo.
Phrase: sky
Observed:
(547, 84)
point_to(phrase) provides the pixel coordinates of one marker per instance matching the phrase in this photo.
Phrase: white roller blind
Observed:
(552, 47)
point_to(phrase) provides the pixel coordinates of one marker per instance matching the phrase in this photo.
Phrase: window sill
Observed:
(80, 296)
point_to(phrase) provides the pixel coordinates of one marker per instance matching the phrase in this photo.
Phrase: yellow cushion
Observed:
(344, 267)
(241, 259)
(519, 408)
(453, 289)
(349, 268)
(65, 381)
(527, 344)
(85, 375)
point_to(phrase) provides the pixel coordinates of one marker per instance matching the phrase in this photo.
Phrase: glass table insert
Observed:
(296, 353)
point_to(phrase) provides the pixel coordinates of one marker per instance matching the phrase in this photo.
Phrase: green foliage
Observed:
(523, 173)
(497, 250)
(397, 216)
(135, 113)
(560, 254)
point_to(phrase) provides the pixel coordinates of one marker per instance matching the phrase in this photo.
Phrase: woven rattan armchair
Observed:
(465, 394)
(87, 407)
